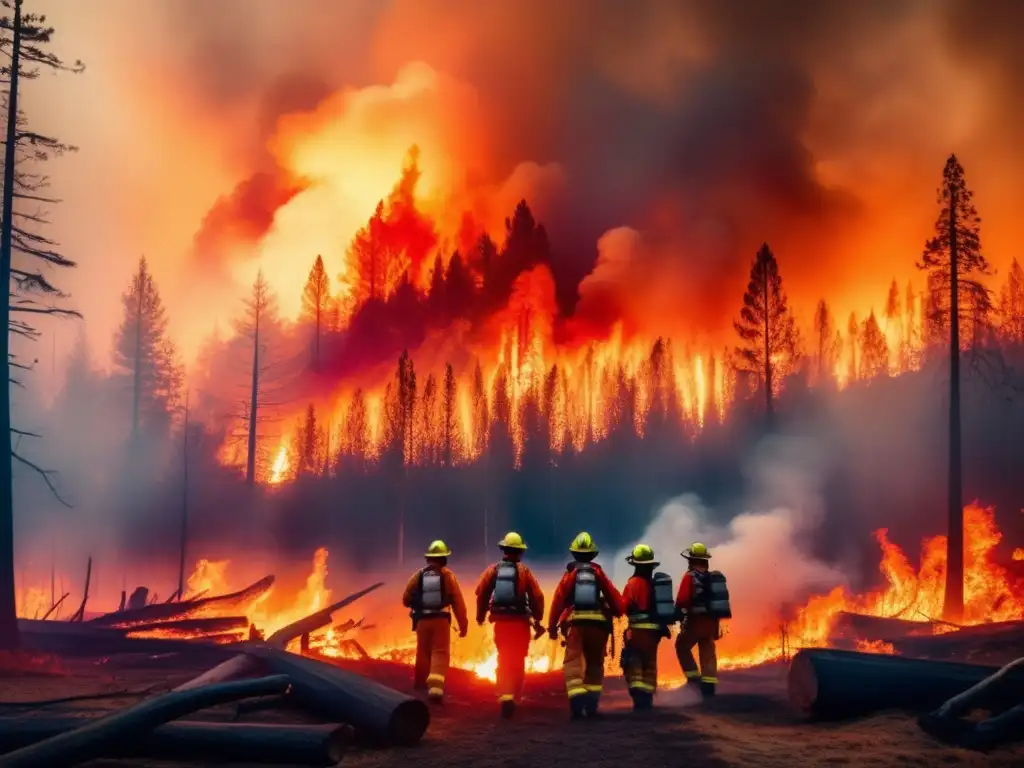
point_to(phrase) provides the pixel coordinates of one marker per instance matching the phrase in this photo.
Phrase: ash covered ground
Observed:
(750, 723)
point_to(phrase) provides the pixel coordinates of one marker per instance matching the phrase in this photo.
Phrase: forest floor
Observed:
(748, 723)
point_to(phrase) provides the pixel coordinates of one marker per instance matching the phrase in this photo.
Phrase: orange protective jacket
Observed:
(527, 586)
(452, 593)
(561, 602)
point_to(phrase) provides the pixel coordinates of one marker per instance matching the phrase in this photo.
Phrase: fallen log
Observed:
(99, 737)
(859, 626)
(998, 640)
(243, 743)
(383, 715)
(235, 668)
(947, 723)
(66, 639)
(315, 621)
(151, 614)
(185, 628)
(831, 683)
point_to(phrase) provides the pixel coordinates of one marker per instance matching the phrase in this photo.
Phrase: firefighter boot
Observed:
(577, 707)
(707, 689)
(508, 708)
(642, 701)
(592, 703)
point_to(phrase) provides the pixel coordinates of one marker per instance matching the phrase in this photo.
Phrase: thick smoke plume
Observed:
(766, 552)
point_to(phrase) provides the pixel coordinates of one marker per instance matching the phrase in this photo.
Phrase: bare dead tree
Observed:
(24, 39)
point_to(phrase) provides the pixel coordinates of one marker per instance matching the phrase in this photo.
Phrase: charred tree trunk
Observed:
(254, 394)
(8, 602)
(954, 604)
(196, 743)
(137, 368)
(829, 683)
(768, 377)
(384, 715)
(99, 737)
(184, 505)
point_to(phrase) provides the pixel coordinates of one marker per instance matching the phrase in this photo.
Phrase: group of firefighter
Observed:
(582, 611)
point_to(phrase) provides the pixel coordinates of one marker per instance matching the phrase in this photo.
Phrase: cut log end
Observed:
(408, 723)
(803, 683)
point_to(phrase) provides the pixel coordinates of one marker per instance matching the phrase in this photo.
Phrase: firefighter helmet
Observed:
(697, 551)
(642, 555)
(583, 544)
(512, 540)
(438, 549)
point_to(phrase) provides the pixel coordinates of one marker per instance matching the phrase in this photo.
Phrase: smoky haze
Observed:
(710, 128)
(672, 138)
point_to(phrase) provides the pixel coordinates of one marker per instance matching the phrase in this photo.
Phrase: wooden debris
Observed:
(193, 742)
(80, 613)
(315, 621)
(1001, 693)
(831, 683)
(998, 641)
(102, 736)
(382, 714)
(55, 606)
(191, 628)
(151, 614)
(859, 626)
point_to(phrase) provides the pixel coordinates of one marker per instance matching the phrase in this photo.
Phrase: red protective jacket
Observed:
(561, 602)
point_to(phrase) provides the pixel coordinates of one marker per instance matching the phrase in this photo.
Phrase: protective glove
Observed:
(553, 633)
(463, 631)
(480, 620)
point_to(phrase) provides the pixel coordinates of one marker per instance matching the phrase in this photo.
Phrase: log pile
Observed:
(255, 674)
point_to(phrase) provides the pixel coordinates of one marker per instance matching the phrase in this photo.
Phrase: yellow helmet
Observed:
(642, 555)
(438, 549)
(583, 544)
(512, 540)
(697, 551)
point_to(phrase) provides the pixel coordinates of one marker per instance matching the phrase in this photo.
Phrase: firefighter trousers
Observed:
(433, 649)
(585, 647)
(700, 631)
(641, 660)
(512, 637)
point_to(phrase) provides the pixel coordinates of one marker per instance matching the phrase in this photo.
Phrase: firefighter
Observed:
(511, 595)
(650, 610)
(583, 606)
(432, 595)
(703, 600)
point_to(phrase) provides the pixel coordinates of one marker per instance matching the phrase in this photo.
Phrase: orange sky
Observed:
(668, 123)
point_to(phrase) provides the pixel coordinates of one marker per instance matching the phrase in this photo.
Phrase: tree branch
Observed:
(46, 474)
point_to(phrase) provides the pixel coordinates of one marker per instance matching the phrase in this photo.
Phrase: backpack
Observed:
(586, 596)
(663, 603)
(506, 597)
(710, 595)
(431, 598)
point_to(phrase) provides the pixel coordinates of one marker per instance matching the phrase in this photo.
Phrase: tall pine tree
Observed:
(257, 327)
(874, 350)
(449, 418)
(828, 342)
(766, 328)
(317, 305)
(1011, 306)
(955, 264)
(146, 356)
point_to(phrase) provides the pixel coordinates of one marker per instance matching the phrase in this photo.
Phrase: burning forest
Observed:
(410, 299)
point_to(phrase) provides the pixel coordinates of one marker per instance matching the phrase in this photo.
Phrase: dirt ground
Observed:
(749, 723)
